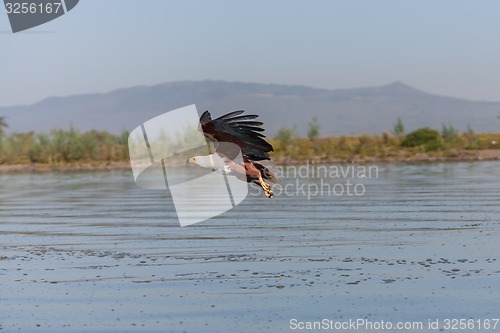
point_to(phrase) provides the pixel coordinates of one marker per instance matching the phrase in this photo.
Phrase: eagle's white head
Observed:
(212, 161)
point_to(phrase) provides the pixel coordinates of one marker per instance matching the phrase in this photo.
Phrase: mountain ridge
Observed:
(367, 110)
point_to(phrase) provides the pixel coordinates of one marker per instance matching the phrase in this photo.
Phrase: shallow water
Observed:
(92, 252)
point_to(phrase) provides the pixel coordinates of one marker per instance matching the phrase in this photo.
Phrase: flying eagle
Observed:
(232, 133)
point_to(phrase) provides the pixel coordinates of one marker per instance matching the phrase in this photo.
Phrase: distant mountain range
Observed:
(343, 111)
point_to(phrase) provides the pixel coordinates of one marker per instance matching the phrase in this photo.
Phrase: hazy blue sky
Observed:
(445, 47)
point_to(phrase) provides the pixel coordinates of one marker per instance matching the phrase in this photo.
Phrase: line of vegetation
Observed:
(424, 143)
(61, 147)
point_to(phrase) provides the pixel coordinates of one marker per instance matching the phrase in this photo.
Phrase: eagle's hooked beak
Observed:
(191, 160)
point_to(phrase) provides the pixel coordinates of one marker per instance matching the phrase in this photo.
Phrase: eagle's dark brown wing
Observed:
(237, 129)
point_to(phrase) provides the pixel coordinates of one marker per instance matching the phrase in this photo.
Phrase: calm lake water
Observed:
(92, 252)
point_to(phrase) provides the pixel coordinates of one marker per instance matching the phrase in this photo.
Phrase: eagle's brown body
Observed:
(235, 130)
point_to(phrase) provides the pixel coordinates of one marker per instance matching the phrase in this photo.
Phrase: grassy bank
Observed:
(63, 147)
(98, 150)
(386, 147)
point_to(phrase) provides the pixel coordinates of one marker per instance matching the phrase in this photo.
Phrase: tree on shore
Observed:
(313, 129)
(399, 127)
(3, 126)
(286, 137)
(471, 137)
(449, 133)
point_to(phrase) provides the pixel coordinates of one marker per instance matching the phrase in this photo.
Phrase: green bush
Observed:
(423, 136)
(434, 145)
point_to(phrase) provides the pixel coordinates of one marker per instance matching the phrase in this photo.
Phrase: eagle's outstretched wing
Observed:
(237, 129)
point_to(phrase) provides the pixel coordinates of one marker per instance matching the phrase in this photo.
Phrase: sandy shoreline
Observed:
(478, 155)
(91, 166)
(466, 156)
